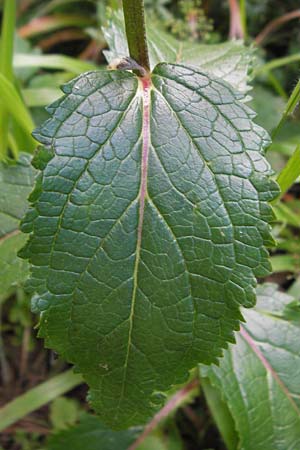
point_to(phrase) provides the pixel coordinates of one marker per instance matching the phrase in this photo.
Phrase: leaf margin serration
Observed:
(41, 161)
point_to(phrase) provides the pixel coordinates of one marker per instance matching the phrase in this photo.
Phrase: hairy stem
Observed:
(136, 32)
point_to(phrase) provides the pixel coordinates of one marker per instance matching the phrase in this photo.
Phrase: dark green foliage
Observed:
(147, 230)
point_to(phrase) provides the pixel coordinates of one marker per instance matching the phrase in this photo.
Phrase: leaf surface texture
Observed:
(259, 376)
(148, 228)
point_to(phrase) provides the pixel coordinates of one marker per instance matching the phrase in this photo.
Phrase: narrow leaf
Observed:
(13, 103)
(148, 228)
(289, 109)
(60, 62)
(36, 397)
(291, 171)
(259, 376)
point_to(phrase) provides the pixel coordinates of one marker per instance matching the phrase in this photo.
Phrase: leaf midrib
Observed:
(268, 367)
(146, 101)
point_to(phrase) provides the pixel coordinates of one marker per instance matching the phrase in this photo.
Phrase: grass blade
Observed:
(290, 107)
(37, 397)
(275, 63)
(59, 62)
(291, 171)
(6, 55)
(10, 98)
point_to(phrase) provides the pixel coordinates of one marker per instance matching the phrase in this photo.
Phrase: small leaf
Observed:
(259, 376)
(229, 60)
(147, 229)
(90, 434)
(16, 182)
(63, 412)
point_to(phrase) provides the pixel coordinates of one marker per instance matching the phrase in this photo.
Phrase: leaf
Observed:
(291, 171)
(291, 105)
(268, 107)
(220, 413)
(63, 412)
(259, 376)
(229, 60)
(60, 62)
(90, 434)
(12, 101)
(147, 230)
(16, 182)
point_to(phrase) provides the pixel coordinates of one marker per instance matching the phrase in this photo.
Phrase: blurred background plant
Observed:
(45, 43)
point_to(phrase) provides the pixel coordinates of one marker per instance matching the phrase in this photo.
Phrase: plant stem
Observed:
(243, 13)
(274, 24)
(136, 32)
(6, 57)
(236, 30)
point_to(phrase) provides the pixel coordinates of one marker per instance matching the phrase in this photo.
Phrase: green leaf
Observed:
(40, 96)
(220, 413)
(10, 98)
(268, 107)
(147, 230)
(259, 376)
(291, 105)
(63, 412)
(229, 60)
(59, 62)
(167, 438)
(291, 171)
(90, 434)
(16, 181)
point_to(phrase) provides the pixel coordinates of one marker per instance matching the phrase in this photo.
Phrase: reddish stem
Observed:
(236, 29)
(271, 26)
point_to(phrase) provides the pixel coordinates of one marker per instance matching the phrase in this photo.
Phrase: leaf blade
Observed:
(266, 354)
(126, 194)
(91, 434)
